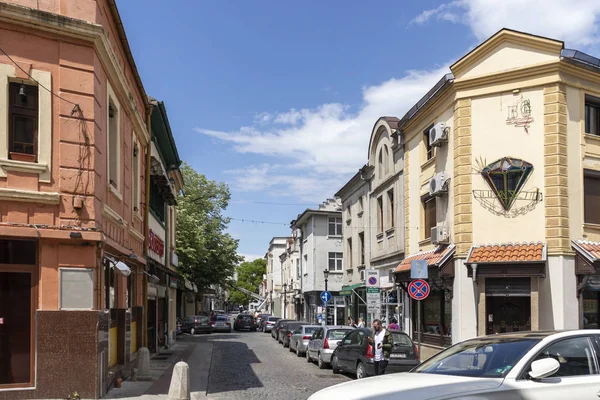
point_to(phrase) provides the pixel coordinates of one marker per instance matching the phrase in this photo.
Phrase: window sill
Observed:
(428, 163)
(360, 214)
(336, 272)
(348, 221)
(592, 137)
(379, 237)
(138, 216)
(23, 166)
(29, 196)
(390, 232)
(425, 242)
(591, 226)
(115, 191)
(113, 215)
(334, 236)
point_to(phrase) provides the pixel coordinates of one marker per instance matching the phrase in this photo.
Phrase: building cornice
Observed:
(82, 30)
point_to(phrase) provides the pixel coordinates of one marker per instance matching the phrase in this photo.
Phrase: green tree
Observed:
(249, 276)
(207, 255)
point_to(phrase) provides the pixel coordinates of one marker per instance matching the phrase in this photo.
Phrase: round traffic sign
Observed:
(418, 289)
(372, 281)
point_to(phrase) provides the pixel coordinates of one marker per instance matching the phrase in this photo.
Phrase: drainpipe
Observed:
(146, 218)
(476, 288)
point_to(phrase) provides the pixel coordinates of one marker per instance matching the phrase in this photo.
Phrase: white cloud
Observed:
(251, 257)
(576, 22)
(315, 151)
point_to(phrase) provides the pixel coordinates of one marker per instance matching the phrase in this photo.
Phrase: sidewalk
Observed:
(198, 355)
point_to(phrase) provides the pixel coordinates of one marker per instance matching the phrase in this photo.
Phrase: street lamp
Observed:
(326, 273)
(284, 299)
(292, 291)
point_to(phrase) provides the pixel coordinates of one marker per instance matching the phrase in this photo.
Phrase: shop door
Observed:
(508, 305)
(152, 325)
(15, 328)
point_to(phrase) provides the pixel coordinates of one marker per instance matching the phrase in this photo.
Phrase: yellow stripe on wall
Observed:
(133, 341)
(112, 347)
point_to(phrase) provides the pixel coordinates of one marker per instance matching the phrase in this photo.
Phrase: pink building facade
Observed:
(74, 120)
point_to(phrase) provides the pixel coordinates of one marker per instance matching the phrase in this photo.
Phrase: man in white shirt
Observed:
(381, 340)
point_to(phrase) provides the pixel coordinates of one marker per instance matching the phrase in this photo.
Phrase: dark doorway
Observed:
(15, 328)
(152, 325)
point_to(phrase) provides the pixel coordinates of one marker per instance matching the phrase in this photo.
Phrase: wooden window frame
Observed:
(337, 226)
(427, 227)
(390, 194)
(15, 111)
(429, 149)
(595, 176)
(592, 102)
(335, 258)
(379, 214)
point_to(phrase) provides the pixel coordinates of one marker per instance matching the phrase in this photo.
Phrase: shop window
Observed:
(109, 285)
(390, 195)
(380, 214)
(361, 242)
(349, 241)
(436, 317)
(591, 314)
(336, 261)
(335, 226)
(592, 115)
(18, 252)
(157, 203)
(23, 121)
(76, 289)
(428, 147)
(430, 217)
(591, 189)
(576, 357)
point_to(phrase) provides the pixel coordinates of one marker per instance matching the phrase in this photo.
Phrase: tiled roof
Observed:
(589, 249)
(433, 257)
(507, 252)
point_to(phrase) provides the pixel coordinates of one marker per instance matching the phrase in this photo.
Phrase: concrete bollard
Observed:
(180, 382)
(143, 367)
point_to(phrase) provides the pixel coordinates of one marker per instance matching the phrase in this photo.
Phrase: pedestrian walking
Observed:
(394, 325)
(382, 342)
(361, 323)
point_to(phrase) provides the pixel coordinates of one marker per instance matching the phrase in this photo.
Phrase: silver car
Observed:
(323, 342)
(300, 338)
(268, 323)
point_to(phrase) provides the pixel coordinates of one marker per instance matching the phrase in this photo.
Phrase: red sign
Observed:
(155, 243)
(418, 289)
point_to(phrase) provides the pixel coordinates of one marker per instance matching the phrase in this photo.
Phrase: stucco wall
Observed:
(494, 139)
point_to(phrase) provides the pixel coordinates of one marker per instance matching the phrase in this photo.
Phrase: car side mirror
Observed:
(543, 368)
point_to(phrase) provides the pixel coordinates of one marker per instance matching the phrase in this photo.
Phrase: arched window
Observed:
(386, 160)
(380, 166)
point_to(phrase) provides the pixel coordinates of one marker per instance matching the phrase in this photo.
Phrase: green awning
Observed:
(347, 290)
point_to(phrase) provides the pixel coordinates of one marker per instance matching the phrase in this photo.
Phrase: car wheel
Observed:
(308, 359)
(298, 353)
(290, 347)
(192, 331)
(334, 365)
(322, 364)
(360, 371)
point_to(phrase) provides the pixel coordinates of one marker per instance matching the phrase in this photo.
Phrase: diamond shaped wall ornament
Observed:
(506, 178)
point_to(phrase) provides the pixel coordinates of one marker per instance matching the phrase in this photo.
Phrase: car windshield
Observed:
(274, 318)
(337, 334)
(479, 358)
(221, 318)
(246, 317)
(202, 319)
(310, 329)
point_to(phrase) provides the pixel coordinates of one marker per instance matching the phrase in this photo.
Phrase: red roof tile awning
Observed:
(435, 257)
(589, 250)
(507, 253)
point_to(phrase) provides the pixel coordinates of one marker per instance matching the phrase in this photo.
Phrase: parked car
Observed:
(244, 321)
(519, 365)
(268, 323)
(276, 327)
(221, 324)
(300, 338)
(286, 331)
(355, 355)
(260, 319)
(197, 324)
(178, 326)
(323, 343)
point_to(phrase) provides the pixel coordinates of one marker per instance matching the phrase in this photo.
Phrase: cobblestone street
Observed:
(251, 365)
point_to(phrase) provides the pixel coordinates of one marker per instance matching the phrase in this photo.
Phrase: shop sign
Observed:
(155, 243)
(373, 300)
(173, 282)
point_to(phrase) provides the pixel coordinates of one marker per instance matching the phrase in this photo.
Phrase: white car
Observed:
(522, 365)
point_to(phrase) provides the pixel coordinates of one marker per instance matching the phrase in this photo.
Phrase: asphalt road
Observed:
(251, 365)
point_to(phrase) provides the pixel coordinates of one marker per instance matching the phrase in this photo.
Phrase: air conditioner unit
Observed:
(438, 184)
(439, 235)
(438, 134)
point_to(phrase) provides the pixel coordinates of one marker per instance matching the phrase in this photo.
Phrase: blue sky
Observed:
(278, 98)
